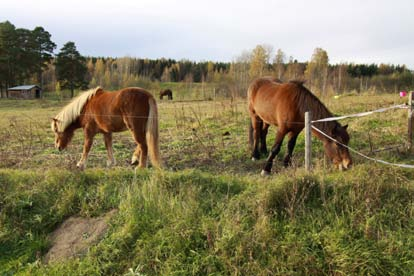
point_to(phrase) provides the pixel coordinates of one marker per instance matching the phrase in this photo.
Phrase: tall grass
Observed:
(194, 223)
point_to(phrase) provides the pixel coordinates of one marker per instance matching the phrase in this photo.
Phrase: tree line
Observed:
(27, 56)
(24, 54)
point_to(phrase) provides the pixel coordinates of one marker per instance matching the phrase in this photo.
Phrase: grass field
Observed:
(208, 212)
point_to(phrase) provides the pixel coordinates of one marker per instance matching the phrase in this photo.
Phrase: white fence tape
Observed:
(361, 114)
(363, 155)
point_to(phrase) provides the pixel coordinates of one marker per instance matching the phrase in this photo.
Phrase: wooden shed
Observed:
(25, 92)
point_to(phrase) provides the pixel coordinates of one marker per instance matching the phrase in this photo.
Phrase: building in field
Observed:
(25, 92)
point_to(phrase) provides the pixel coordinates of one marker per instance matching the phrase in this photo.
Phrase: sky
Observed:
(358, 31)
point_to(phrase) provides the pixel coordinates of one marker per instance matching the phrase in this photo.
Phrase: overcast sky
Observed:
(360, 31)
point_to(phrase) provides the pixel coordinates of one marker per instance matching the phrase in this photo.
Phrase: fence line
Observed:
(362, 114)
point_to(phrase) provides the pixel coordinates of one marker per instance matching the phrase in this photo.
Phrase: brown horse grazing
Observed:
(284, 105)
(166, 92)
(97, 111)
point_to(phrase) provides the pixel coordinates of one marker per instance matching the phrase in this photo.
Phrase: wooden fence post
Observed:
(410, 120)
(308, 140)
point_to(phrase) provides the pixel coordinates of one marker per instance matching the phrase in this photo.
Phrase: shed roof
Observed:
(23, 87)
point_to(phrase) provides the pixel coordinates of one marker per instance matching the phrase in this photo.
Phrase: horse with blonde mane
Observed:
(98, 111)
(284, 105)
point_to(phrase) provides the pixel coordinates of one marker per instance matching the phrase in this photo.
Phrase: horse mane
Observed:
(72, 111)
(307, 101)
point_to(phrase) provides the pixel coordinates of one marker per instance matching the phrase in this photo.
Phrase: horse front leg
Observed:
(108, 144)
(290, 147)
(86, 148)
(273, 152)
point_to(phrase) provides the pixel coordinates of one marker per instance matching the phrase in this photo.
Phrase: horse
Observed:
(166, 92)
(99, 111)
(271, 102)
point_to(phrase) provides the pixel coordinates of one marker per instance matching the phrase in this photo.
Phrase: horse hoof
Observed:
(254, 159)
(80, 166)
(264, 173)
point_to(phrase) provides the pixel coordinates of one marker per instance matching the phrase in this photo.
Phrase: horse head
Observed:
(336, 150)
(62, 138)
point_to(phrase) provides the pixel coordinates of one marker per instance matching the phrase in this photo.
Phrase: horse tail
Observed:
(152, 134)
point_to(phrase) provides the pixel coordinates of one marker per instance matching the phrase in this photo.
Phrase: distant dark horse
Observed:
(284, 105)
(166, 92)
(97, 111)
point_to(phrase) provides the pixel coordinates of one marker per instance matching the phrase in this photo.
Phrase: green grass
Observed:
(208, 212)
(194, 223)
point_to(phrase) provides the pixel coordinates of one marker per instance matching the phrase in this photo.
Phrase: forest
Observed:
(28, 57)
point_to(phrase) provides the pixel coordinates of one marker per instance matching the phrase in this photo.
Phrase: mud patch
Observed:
(75, 236)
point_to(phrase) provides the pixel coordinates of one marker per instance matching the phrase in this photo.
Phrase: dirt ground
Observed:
(75, 235)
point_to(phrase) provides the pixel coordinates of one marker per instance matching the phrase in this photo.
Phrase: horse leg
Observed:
(290, 147)
(136, 156)
(141, 151)
(257, 129)
(108, 144)
(86, 148)
(273, 152)
(263, 134)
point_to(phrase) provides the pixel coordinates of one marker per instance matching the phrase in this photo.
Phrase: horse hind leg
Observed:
(255, 132)
(140, 155)
(136, 156)
(263, 134)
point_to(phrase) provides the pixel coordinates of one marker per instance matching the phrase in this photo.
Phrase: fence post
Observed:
(308, 140)
(410, 120)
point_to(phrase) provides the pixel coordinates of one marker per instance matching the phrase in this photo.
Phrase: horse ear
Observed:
(345, 127)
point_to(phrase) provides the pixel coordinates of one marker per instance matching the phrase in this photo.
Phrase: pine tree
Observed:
(71, 68)
(43, 49)
(8, 55)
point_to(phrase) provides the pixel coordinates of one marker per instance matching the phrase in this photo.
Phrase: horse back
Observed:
(111, 111)
(276, 103)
